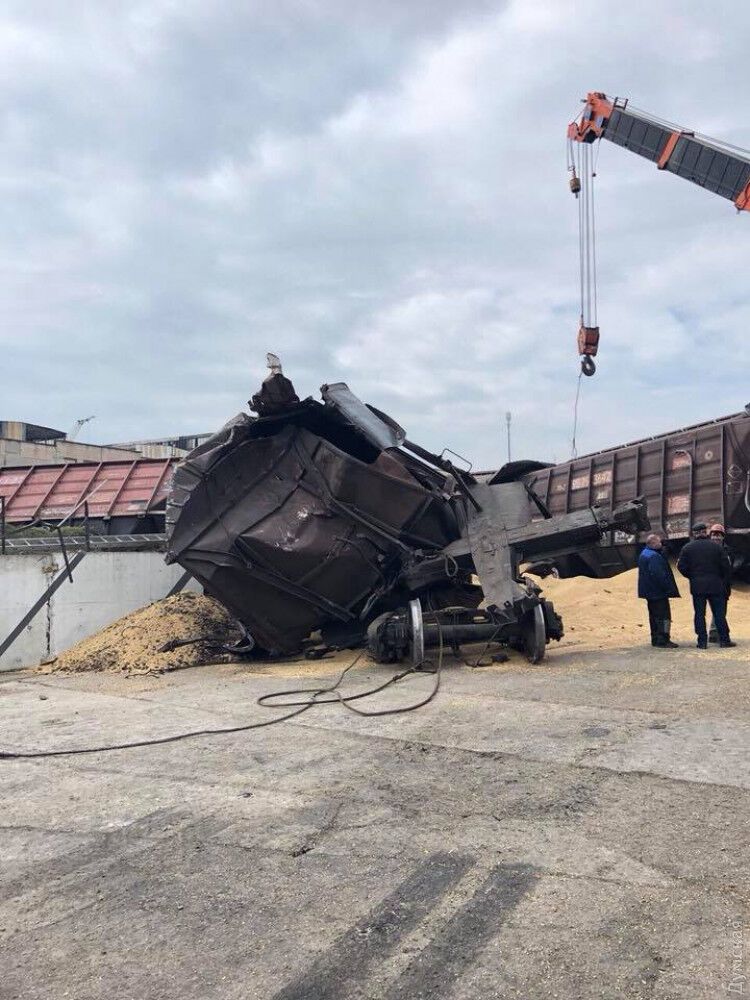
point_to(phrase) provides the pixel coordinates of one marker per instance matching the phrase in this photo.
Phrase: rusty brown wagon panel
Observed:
(110, 488)
(696, 473)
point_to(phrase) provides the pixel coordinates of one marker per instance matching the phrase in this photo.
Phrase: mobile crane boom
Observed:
(718, 167)
(712, 165)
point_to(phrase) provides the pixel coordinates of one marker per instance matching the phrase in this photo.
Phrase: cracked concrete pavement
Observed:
(576, 830)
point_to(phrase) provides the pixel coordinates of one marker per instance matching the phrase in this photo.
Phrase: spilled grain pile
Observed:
(605, 614)
(598, 614)
(131, 644)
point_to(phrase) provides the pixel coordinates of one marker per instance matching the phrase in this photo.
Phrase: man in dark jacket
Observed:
(656, 584)
(717, 534)
(707, 567)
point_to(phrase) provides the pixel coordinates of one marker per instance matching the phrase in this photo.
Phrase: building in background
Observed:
(31, 444)
(174, 447)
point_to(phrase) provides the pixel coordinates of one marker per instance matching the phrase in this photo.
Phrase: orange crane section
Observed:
(715, 166)
(718, 167)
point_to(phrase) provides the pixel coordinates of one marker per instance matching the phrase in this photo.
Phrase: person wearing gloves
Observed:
(706, 565)
(656, 585)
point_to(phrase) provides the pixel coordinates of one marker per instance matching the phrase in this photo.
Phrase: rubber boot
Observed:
(666, 629)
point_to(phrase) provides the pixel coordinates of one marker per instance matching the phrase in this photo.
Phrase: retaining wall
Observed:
(106, 585)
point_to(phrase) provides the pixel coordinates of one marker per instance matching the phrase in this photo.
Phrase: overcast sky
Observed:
(377, 192)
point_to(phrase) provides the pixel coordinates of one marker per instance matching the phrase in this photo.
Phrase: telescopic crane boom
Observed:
(718, 167)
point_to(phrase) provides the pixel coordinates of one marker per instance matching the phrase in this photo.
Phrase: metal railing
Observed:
(92, 543)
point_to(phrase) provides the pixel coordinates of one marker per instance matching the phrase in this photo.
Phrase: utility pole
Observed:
(508, 418)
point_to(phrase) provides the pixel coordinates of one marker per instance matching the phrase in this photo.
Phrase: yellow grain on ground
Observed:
(131, 644)
(597, 615)
(607, 614)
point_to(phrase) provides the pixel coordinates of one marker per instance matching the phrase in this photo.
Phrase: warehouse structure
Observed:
(22, 443)
(174, 447)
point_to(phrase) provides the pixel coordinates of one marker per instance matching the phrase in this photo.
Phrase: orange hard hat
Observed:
(716, 529)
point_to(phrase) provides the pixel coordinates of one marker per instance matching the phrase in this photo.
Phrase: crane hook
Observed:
(588, 365)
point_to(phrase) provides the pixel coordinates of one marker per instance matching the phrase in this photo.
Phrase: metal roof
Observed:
(111, 489)
(20, 430)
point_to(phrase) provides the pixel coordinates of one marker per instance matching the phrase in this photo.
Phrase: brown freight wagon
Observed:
(697, 473)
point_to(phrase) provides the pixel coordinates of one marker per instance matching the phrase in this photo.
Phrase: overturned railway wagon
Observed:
(321, 519)
(696, 473)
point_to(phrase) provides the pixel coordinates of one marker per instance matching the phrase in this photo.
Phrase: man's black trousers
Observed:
(718, 604)
(659, 619)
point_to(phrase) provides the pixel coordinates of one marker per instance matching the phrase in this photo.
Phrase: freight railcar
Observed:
(696, 473)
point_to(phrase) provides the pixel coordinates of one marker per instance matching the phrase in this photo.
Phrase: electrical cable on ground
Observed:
(456, 650)
(478, 662)
(316, 698)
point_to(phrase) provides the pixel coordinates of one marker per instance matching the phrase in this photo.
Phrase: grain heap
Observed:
(598, 614)
(131, 644)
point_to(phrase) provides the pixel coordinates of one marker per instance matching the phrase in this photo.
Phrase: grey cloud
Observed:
(376, 192)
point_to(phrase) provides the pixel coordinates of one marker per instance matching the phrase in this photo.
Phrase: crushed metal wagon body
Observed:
(320, 518)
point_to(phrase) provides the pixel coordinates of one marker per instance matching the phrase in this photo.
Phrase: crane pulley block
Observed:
(588, 345)
(588, 340)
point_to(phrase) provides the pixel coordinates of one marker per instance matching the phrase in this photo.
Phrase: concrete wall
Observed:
(106, 585)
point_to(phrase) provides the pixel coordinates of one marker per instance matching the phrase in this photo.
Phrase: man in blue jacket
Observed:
(656, 585)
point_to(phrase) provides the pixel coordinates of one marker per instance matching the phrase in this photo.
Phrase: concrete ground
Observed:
(576, 829)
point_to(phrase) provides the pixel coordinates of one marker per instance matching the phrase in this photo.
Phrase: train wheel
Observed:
(417, 632)
(534, 634)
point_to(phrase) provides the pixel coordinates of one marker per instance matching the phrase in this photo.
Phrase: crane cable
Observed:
(582, 164)
(587, 236)
(573, 445)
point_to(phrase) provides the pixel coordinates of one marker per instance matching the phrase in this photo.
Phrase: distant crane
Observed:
(75, 429)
